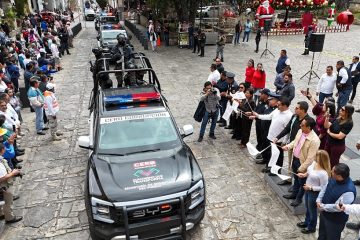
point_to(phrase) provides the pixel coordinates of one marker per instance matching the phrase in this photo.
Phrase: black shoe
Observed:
(295, 203)
(233, 137)
(261, 162)
(231, 132)
(45, 128)
(200, 139)
(41, 133)
(17, 161)
(18, 166)
(284, 182)
(356, 182)
(358, 111)
(271, 174)
(301, 225)
(19, 153)
(14, 220)
(289, 196)
(212, 136)
(259, 157)
(15, 197)
(291, 189)
(222, 124)
(353, 226)
(307, 231)
(20, 149)
(265, 170)
(2, 217)
(220, 121)
(228, 127)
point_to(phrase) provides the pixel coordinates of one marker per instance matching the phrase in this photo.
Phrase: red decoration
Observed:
(345, 18)
(287, 2)
(264, 12)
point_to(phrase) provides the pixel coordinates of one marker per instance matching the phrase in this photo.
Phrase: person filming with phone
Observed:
(211, 97)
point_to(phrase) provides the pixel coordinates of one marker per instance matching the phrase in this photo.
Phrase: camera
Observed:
(213, 90)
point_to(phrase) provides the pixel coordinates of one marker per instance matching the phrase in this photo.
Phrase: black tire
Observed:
(93, 235)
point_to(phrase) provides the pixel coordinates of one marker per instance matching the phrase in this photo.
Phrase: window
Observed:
(143, 132)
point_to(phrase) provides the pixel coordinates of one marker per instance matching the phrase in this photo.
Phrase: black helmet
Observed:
(121, 39)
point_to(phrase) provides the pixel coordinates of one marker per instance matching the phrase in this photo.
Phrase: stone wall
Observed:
(355, 6)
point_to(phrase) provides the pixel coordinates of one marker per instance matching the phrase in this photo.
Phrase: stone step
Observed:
(282, 190)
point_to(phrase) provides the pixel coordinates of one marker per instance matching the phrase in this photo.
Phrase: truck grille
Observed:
(157, 211)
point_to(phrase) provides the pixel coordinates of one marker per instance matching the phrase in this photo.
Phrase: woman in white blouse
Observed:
(317, 175)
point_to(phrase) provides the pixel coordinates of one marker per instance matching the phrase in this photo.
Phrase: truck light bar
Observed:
(130, 98)
(111, 26)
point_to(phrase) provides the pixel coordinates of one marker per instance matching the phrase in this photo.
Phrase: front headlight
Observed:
(197, 194)
(101, 210)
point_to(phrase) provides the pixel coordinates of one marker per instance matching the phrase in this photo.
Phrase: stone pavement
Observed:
(239, 203)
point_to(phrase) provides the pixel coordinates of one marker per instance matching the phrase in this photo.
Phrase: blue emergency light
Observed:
(129, 98)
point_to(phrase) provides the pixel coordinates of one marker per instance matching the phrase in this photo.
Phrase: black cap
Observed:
(230, 75)
(265, 91)
(274, 95)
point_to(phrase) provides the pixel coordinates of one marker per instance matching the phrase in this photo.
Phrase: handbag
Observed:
(200, 111)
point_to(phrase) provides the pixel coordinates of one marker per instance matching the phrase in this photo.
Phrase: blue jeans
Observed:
(207, 116)
(246, 35)
(191, 41)
(311, 209)
(298, 189)
(343, 98)
(322, 96)
(39, 120)
(237, 37)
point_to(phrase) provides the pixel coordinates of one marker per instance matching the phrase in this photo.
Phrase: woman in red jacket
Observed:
(249, 72)
(258, 80)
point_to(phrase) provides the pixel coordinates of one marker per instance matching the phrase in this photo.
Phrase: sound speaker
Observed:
(267, 25)
(316, 43)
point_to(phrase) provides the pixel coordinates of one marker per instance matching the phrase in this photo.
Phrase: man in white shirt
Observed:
(279, 119)
(3, 85)
(214, 75)
(326, 84)
(343, 85)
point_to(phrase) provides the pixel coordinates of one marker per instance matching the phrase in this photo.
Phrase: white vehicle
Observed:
(89, 14)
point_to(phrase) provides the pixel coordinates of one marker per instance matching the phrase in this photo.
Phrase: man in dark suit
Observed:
(355, 76)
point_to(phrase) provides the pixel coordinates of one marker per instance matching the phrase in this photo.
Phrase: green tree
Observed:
(20, 7)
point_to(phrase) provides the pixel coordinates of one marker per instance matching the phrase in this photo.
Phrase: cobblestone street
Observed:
(240, 205)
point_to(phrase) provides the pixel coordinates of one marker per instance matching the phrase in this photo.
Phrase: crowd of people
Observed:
(36, 53)
(314, 141)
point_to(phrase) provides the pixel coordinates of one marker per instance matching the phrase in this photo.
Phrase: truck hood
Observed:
(144, 175)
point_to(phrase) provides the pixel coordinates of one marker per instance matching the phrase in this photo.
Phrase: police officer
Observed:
(260, 109)
(307, 40)
(222, 85)
(122, 54)
(232, 88)
(265, 125)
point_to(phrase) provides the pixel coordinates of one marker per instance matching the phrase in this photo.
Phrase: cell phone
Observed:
(341, 202)
(304, 92)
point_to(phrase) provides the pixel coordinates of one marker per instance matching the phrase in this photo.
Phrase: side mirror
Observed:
(84, 142)
(187, 130)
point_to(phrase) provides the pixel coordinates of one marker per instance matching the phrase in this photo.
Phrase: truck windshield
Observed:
(128, 134)
(112, 34)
